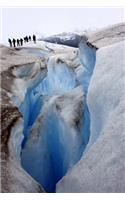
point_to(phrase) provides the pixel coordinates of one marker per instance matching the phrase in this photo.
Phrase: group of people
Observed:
(19, 42)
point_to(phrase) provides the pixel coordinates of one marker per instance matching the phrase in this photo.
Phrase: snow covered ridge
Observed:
(108, 35)
(62, 118)
(99, 38)
(70, 39)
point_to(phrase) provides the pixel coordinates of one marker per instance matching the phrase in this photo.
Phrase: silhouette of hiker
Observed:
(21, 41)
(34, 38)
(14, 42)
(10, 42)
(29, 38)
(26, 38)
(18, 42)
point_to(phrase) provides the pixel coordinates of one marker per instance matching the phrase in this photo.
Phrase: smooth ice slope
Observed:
(102, 168)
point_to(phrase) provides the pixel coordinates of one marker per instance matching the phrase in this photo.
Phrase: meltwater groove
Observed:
(57, 121)
(31, 105)
(88, 59)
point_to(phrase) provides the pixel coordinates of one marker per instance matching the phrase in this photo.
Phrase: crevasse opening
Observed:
(52, 144)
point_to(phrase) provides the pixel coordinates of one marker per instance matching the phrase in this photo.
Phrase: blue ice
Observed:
(88, 59)
(55, 149)
(60, 78)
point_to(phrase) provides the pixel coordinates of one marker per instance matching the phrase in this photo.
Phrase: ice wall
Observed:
(87, 54)
(102, 167)
(88, 58)
(60, 78)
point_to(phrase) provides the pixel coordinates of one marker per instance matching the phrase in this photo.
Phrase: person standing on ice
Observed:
(14, 42)
(21, 41)
(34, 38)
(10, 42)
(24, 39)
(18, 42)
(29, 38)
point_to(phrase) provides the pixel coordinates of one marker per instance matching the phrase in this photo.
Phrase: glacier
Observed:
(63, 115)
(56, 127)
